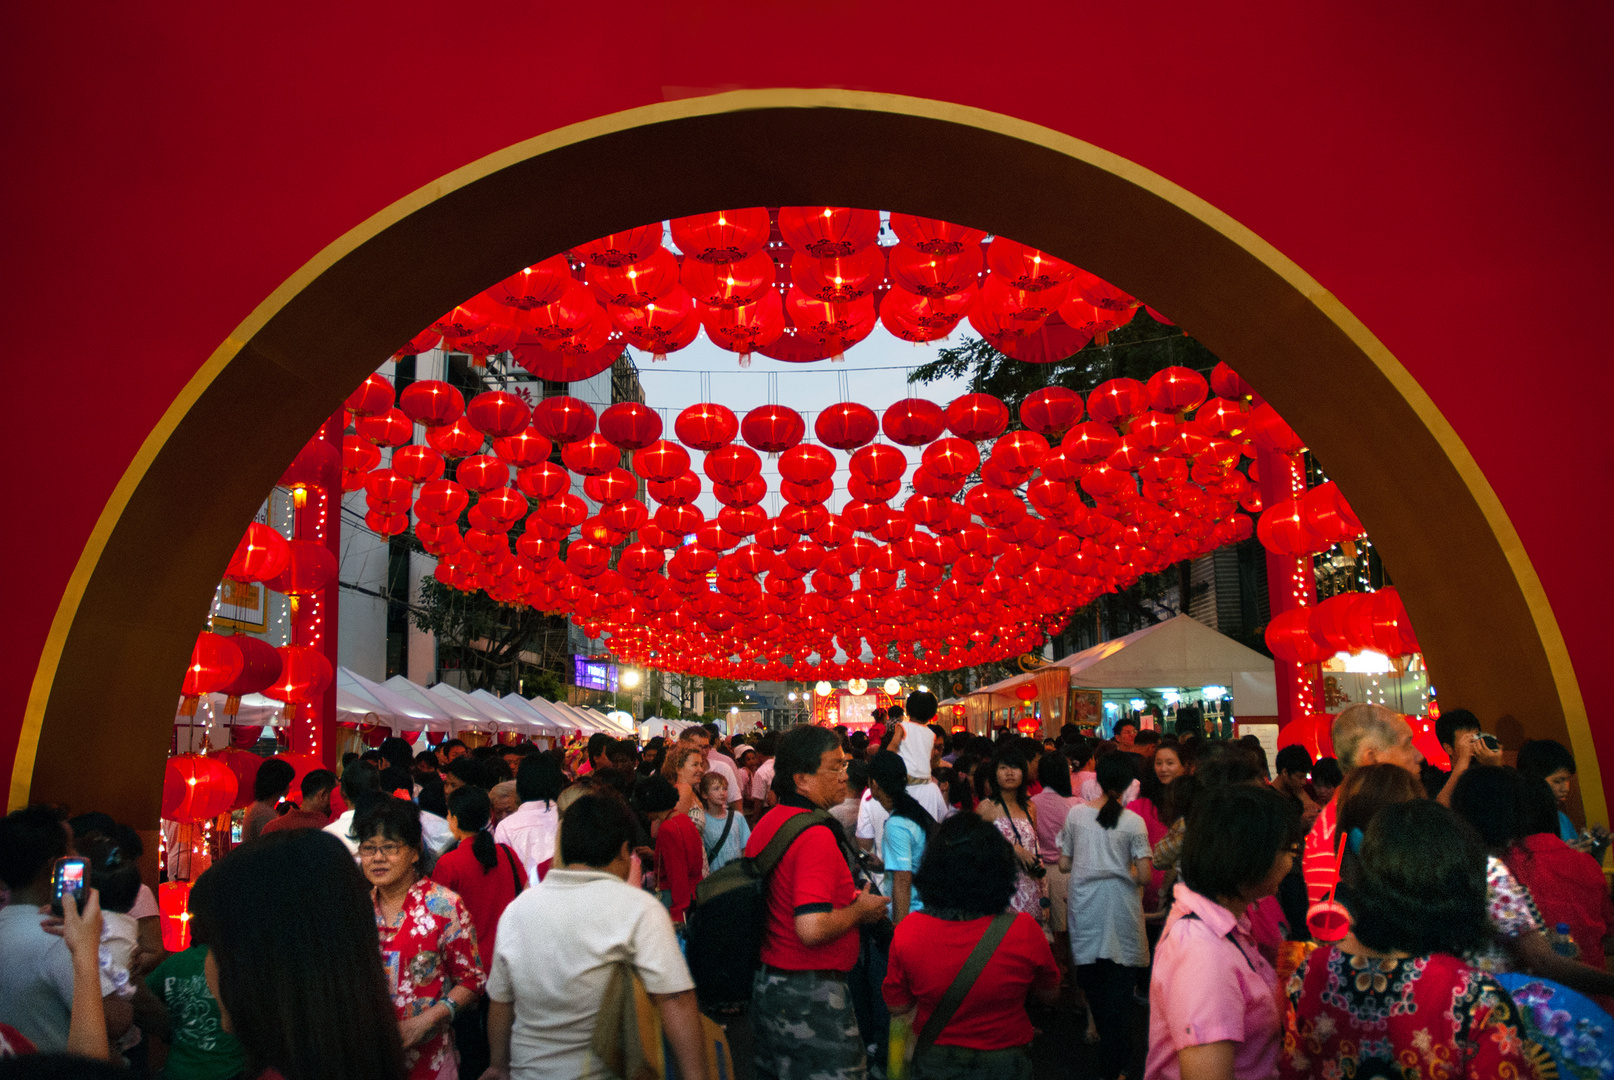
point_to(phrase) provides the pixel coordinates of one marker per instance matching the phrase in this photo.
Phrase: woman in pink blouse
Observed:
(1213, 1007)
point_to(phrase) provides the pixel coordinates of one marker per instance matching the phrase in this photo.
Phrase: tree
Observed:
(485, 639)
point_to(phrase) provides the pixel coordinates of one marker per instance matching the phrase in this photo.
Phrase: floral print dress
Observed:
(1417, 1018)
(1028, 898)
(427, 951)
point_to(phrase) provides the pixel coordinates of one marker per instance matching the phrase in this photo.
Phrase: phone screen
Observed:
(70, 881)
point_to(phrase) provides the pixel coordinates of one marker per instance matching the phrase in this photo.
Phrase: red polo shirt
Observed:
(485, 893)
(928, 953)
(812, 877)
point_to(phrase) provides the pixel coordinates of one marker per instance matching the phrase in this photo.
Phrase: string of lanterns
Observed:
(795, 283)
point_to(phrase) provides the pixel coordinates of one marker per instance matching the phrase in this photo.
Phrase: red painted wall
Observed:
(1447, 175)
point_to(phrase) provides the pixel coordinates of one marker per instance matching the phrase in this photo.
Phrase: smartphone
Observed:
(1490, 742)
(69, 878)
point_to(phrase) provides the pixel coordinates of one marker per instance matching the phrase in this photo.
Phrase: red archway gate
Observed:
(1482, 614)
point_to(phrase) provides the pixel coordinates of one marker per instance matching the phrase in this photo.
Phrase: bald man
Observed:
(1363, 735)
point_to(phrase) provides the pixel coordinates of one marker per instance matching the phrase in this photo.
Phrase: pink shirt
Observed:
(1211, 984)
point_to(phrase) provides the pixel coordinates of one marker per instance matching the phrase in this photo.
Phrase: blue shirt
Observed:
(903, 847)
(732, 846)
(1566, 829)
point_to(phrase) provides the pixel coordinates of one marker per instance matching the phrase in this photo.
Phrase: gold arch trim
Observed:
(738, 102)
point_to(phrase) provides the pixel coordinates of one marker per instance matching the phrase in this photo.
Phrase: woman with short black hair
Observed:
(1212, 1005)
(293, 962)
(968, 876)
(1008, 807)
(428, 942)
(1394, 995)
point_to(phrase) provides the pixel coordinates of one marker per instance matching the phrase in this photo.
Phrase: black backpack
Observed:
(725, 924)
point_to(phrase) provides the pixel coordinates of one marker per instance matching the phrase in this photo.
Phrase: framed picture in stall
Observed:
(243, 605)
(1086, 707)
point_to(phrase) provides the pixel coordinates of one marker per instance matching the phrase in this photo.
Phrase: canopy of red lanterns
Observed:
(795, 283)
(986, 546)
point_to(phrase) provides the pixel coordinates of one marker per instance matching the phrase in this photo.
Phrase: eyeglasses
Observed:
(391, 851)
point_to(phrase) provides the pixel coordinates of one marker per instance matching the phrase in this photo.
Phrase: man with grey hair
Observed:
(1363, 735)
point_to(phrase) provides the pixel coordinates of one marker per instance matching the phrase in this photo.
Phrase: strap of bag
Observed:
(965, 979)
(769, 856)
(515, 867)
(728, 823)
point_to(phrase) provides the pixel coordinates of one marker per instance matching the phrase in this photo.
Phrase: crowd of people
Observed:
(925, 898)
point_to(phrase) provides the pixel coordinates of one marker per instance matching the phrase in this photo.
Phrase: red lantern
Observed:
(359, 456)
(173, 901)
(1177, 390)
(662, 461)
(629, 425)
(563, 419)
(913, 422)
(722, 236)
(846, 426)
(830, 327)
(1314, 731)
(373, 397)
(524, 449)
(590, 456)
(441, 501)
(416, 464)
(828, 232)
(242, 763)
(920, 318)
(1027, 692)
(1229, 384)
(1019, 451)
(216, 662)
(391, 428)
(1269, 432)
(706, 426)
(197, 788)
(732, 464)
(310, 567)
(729, 285)
(935, 237)
(431, 403)
(1118, 400)
(841, 279)
(772, 429)
(484, 472)
(537, 285)
(498, 510)
(952, 459)
(456, 440)
(304, 674)
(1283, 529)
(622, 248)
(1053, 410)
(935, 274)
(572, 316)
(745, 328)
(634, 284)
(806, 464)
(423, 342)
(1328, 516)
(260, 555)
(497, 414)
(661, 326)
(977, 417)
(260, 667)
(1026, 267)
(879, 464)
(1289, 638)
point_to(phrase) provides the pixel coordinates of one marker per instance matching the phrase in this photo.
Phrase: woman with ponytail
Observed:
(1105, 849)
(906, 830)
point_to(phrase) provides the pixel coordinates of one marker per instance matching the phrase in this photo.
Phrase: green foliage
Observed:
(485, 639)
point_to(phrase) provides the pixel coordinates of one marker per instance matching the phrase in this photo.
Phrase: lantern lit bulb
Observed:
(827, 212)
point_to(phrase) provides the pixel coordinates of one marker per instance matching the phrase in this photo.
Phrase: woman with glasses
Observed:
(428, 944)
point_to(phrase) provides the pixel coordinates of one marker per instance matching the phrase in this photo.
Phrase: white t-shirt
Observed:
(556, 943)
(36, 979)
(929, 795)
(917, 742)
(1089, 790)
(871, 821)
(531, 832)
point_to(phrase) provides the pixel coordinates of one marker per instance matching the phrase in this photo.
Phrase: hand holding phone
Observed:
(69, 878)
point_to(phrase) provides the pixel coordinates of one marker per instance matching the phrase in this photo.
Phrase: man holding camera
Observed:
(1460, 736)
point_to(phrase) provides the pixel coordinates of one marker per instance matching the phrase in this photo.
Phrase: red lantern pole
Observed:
(1291, 584)
(319, 519)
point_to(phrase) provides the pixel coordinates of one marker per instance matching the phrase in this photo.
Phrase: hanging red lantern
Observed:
(431, 403)
(542, 481)
(498, 510)
(732, 464)
(935, 237)
(830, 327)
(565, 511)
(1283, 529)
(423, 342)
(661, 326)
(574, 314)
(846, 425)
(243, 764)
(838, 280)
(391, 428)
(745, 328)
(1019, 451)
(417, 464)
(662, 460)
(1053, 410)
(498, 414)
(1177, 390)
(197, 788)
(621, 248)
(1328, 516)
(1288, 636)
(807, 464)
(935, 275)
(634, 284)
(456, 440)
(920, 318)
(1026, 267)
(879, 464)
(772, 429)
(581, 357)
(216, 662)
(387, 487)
(260, 555)
(1269, 432)
(913, 422)
(977, 417)
(563, 419)
(310, 567)
(590, 456)
(630, 425)
(260, 667)
(706, 426)
(304, 674)
(722, 236)
(374, 397)
(441, 501)
(1118, 401)
(537, 285)
(731, 284)
(827, 232)
(1027, 692)
(1229, 384)
(953, 459)
(359, 456)
(384, 524)
(1314, 731)
(526, 448)
(482, 472)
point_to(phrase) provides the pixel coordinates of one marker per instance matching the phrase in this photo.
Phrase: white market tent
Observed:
(395, 710)
(1181, 651)
(522, 707)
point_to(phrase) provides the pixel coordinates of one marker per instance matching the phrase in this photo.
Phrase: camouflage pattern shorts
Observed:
(805, 1028)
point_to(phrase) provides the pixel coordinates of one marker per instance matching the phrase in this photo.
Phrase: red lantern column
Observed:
(1291, 583)
(319, 519)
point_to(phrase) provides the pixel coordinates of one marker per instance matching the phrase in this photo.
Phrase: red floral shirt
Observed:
(429, 950)
(1420, 1018)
